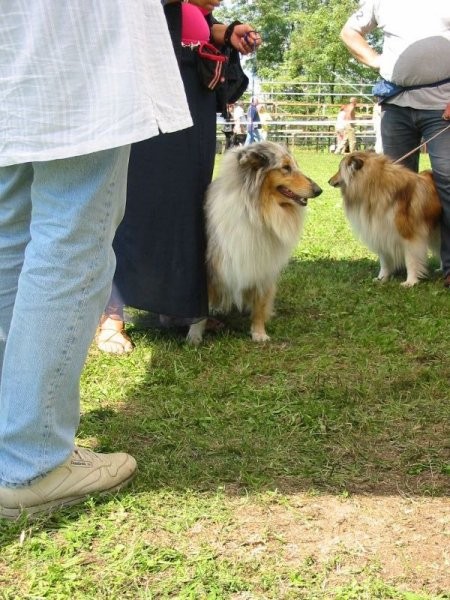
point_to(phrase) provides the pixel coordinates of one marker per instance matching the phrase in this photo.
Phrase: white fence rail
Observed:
(314, 134)
(304, 113)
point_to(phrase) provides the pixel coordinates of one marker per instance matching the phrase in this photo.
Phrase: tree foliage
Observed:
(273, 20)
(301, 39)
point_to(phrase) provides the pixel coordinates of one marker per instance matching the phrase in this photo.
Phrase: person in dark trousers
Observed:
(228, 127)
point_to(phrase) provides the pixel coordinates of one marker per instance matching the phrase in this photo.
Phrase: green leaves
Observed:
(301, 39)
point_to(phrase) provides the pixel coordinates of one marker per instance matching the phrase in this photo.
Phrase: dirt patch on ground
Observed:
(406, 541)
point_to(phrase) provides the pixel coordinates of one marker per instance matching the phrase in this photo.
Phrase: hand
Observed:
(446, 113)
(245, 39)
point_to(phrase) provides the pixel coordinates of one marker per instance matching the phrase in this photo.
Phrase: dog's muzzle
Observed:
(295, 197)
(335, 181)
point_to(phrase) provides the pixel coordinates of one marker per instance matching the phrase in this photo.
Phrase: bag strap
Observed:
(426, 85)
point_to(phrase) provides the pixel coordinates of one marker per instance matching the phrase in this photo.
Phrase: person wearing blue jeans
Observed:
(253, 124)
(415, 57)
(76, 92)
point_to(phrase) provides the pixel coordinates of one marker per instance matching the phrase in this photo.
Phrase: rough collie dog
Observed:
(254, 216)
(393, 210)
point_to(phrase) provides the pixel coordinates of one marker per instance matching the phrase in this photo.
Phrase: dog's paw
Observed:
(381, 279)
(194, 340)
(260, 336)
(409, 283)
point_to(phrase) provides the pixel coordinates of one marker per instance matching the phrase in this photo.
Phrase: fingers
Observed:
(252, 39)
(245, 39)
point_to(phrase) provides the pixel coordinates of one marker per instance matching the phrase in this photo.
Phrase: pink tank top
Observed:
(194, 27)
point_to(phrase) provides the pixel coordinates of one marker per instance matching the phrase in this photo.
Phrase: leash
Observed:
(255, 70)
(421, 145)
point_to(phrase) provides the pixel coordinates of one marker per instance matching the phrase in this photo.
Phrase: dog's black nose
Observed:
(334, 181)
(316, 190)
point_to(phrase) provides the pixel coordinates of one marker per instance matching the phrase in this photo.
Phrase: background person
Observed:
(345, 120)
(228, 127)
(239, 124)
(414, 36)
(253, 123)
(341, 141)
(72, 101)
(265, 119)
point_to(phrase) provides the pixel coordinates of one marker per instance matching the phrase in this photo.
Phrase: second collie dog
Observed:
(254, 216)
(394, 211)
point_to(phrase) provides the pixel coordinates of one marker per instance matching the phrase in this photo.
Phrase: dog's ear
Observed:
(252, 158)
(355, 163)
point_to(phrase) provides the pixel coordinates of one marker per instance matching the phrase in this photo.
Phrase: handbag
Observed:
(384, 89)
(211, 65)
(235, 84)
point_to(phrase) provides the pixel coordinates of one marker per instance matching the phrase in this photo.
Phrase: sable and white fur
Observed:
(254, 212)
(394, 211)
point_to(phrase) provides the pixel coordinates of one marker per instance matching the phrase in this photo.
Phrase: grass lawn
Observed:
(316, 466)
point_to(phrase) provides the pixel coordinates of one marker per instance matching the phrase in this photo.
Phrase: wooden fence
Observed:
(304, 113)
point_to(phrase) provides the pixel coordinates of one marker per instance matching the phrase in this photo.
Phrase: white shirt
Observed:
(416, 46)
(81, 76)
(238, 115)
(341, 121)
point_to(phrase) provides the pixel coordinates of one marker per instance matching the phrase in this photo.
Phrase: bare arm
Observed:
(359, 47)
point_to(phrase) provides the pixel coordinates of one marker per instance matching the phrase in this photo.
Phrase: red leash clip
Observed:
(210, 52)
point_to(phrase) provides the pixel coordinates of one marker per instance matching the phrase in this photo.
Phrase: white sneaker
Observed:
(84, 473)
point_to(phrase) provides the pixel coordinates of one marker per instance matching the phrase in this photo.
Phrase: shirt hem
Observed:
(81, 149)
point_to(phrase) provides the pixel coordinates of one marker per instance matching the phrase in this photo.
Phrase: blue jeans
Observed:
(57, 223)
(253, 135)
(402, 129)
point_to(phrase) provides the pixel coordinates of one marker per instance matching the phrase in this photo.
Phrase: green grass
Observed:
(350, 397)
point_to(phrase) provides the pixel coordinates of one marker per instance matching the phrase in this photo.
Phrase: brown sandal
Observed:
(113, 341)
